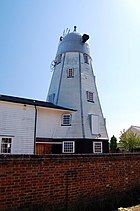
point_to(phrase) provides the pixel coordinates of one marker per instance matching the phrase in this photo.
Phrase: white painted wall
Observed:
(17, 120)
(49, 123)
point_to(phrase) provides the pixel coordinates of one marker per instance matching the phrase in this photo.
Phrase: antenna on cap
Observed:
(75, 28)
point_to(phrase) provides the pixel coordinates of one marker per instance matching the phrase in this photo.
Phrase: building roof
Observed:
(73, 42)
(135, 129)
(32, 102)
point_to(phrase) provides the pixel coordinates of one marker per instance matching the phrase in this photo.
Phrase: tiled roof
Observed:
(136, 127)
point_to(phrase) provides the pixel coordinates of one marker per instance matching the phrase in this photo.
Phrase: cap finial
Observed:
(75, 28)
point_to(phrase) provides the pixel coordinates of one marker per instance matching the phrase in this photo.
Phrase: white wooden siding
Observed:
(47, 121)
(72, 93)
(17, 120)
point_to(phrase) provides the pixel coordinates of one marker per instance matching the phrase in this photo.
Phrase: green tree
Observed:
(113, 144)
(129, 140)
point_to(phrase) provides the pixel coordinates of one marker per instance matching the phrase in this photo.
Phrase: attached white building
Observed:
(24, 121)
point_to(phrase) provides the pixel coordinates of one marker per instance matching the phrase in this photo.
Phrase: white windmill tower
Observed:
(73, 86)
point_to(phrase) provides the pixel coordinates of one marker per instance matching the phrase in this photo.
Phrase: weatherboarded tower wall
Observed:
(73, 85)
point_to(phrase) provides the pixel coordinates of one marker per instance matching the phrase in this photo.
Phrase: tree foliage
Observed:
(113, 144)
(129, 140)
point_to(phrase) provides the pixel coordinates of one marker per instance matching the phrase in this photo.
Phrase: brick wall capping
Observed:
(86, 157)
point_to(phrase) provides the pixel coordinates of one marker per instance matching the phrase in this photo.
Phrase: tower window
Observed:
(6, 145)
(66, 120)
(58, 59)
(70, 73)
(97, 147)
(86, 58)
(68, 147)
(90, 96)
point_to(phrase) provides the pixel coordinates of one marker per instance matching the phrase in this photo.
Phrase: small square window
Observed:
(6, 145)
(97, 147)
(66, 120)
(90, 96)
(68, 147)
(86, 58)
(70, 73)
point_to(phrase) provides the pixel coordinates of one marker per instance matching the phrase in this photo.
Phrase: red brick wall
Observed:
(62, 181)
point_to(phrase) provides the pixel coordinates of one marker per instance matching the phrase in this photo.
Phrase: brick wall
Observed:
(60, 182)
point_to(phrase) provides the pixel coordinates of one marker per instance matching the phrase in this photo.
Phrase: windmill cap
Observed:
(74, 42)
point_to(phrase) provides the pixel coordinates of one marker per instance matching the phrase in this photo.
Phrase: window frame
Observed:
(64, 116)
(89, 98)
(70, 73)
(94, 147)
(67, 151)
(7, 149)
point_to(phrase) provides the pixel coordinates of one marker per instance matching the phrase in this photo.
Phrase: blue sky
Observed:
(30, 30)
